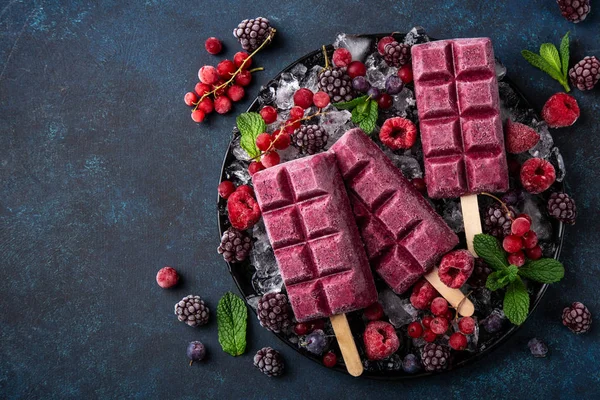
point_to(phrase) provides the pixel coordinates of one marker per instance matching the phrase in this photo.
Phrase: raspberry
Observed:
(517, 258)
(282, 140)
(577, 318)
(321, 99)
(530, 240)
(225, 189)
(383, 42)
(439, 306)
(466, 325)
(268, 114)
(426, 321)
(263, 141)
(254, 167)
(206, 105)
(246, 188)
(270, 159)
(240, 57)
(385, 101)
(520, 226)
(398, 133)
(435, 357)
(456, 267)
(296, 113)
(213, 45)
(560, 110)
(329, 359)
(341, 57)
(226, 69)
(512, 243)
(574, 10)
(405, 73)
(439, 325)
(235, 92)
(429, 336)
(190, 98)
(537, 175)
(208, 75)
(243, 210)
(303, 98)
(198, 115)
(243, 78)
(534, 253)
(419, 184)
(458, 341)
(202, 88)
(356, 68)
(586, 73)
(422, 295)
(415, 330)
(519, 137)
(374, 312)
(380, 340)
(562, 207)
(167, 277)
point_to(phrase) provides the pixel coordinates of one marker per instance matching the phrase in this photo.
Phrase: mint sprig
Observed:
(551, 62)
(545, 270)
(499, 279)
(250, 125)
(364, 112)
(488, 248)
(232, 318)
(516, 302)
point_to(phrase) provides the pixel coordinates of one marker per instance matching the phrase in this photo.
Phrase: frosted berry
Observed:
(535, 253)
(315, 342)
(206, 105)
(240, 57)
(235, 92)
(562, 207)
(439, 325)
(458, 341)
(292, 125)
(374, 312)
(321, 99)
(198, 115)
(268, 114)
(520, 226)
(560, 110)
(270, 159)
(426, 321)
(374, 93)
(497, 222)
(519, 137)
(435, 357)
(269, 362)
(274, 312)
(422, 295)
(429, 336)
(248, 189)
(574, 10)
(254, 167)
(235, 245)
(398, 133)
(530, 240)
(196, 351)
(251, 33)
(243, 78)
(411, 364)
(190, 98)
(225, 189)
(192, 311)
(466, 325)
(512, 243)
(385, 101)
(202, 88)
(296, 113)
(415, 330)
(493, 322)
(456, 267)
(361, 84)
(282, 140)
(586, 73)
(336, 83)
(537, 175)
(341, 57)
(396, 54)
(383, 42)
(208, 75)
(329, 359)
(219, 88)
(303, 98)
(419, 184)
(213, 45)
(226, 69)
(405, 73)
(356, 68)
(301, 329)
(263, 141)
(537, 348)
(222, 105)
(439, 306)
(393, 84)
(577, 318)
(517, 258)
(243, 210)
(380, 339)
(167, 277)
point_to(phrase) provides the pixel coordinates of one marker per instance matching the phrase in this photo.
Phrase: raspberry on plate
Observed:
(243, 210)
(341, 57)
(519, 137)
(456, 267)
(422, 295)
(537, 175)
(381, 340)
(560, 110)
(398, 133)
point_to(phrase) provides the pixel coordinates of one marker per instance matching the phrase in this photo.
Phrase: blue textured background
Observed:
(105, 179)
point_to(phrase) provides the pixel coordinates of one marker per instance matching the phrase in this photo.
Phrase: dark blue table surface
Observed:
(105, 179)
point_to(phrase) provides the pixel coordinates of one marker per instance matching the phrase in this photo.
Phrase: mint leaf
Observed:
(231, 320)
(550, 62)
(349, 105)
(516, 302)
(499, 279)
(488, 248)
(250, 125)
(368, 123)
(544, 270)
(549, 53)
(357, 116)
(564, 54)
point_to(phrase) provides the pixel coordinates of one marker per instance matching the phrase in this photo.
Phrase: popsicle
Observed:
(402, 233)
(317, 245)
(461, 128)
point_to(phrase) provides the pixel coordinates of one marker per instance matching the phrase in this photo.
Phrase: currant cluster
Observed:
(522, 241)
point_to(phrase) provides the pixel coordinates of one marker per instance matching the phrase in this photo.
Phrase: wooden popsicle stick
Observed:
(347, 345)
(471, 219)
(454, 296)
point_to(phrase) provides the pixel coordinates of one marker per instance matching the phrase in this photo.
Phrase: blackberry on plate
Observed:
(337, 84)
(480, 273)
(396, 54)
(586, 73)
(192, 311)
(497, 222)
(562, 207)
(310, 139)
(274, 312)
(269, 362)
(574, 10)
(392, 363)
(251, 33)
(235, 245)
(435, 357)
(577, 318)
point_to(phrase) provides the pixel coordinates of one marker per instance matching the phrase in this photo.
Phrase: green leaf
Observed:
(357, 117)
(516, 302)
(549, 53)
(539, 62)
(349, 105)
(544, 270)
(250, 125)
(564, 54)
(369, 122)
(232, 317)
(499, 279)
(488, 248)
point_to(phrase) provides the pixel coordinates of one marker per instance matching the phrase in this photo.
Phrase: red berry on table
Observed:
(517, 258)
(422, 294)
(202, 88)
(439, 306)
(222, 105)
(560, 110)
(301, 329)
(341, 57)
(466, 325)
(208, 74)
(380, 339)
(537, 175)
(512, 243)
(520, 226)
(382, 42)
(405, 73)
(419, 184)
(198, 115)
(226, 69)
(213, 45)
(356, 68)
(240, 57)
(190, 98)
(456, 267)
(439, 325)
(374, 312)
(243, 78)
(282, 140)
(248, 189)
(254, 167)
(385, 101)
(167, 277)
(303, 98)
(426, 321)
(268, 114)
(263, 141)
(534, 253)
(530, 240)
(519, 137)
(429, 336)
(415, 330)
(321, 99)
(270, 159)
(235, 92)
(206, 105)
(398, 133)
(458, 341)
(329, 359)
(225, 189)
(296, 113)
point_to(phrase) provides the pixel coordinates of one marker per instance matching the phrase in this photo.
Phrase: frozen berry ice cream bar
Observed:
(403, 234)
(317, 245)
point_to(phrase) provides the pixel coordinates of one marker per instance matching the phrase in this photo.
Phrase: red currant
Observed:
(405, 73)
(439, 325)
(382, 42)
(329, 359)
(303, 98)
(385, 101)
(235, 92)
(517, 258)
(190, 98)
(246, 188)
(202, 88)
(534, 253)
(429, 336)
(520, 226)
(268, 114)
(415, 330)
(254, 167)
(226, 69)
(282, 140)
(301, 329)
(206, 105)
(419, 183)
(458, 341)
(222, 105)
(198, 115)
(213, 45)
(239, 57)
(243, 78)
(466, 325)
(225, 189)
(426, 321)
(527, 217)
(296, 113)
(208, 74)
(530, 240)
(263, 141)
(439, 306)
(356, 68)
(512, 243)
(449, 314)
(270, 159)
(374, 312)
(221, 88)
(321, 99)
(291, 125)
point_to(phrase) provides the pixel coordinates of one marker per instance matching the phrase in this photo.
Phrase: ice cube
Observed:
(311, 79)
(417, 35)
(253, 301)
(399, 311)
(336, 123)
(237, 172)
(500, 70)
(378, 70)
(266, 277)
(559, 164)
(299, 71)
(237, 150)
(408, 164)
(543, 148)
(539, 223)
(267, 95)
(358, 46)
(404, 103)
(452, 214)
(287, 86)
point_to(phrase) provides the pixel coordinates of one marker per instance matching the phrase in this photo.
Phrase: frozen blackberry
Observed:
(396, 54)
(435, 357)
(586, 73)
(274, 312)
(192, 311)
(562, 207)
(392, 363)
(497, 221)
(269, 362)
(574, 10)
(337, 84)
(310, 139)
(577, 318)
(537, 348)
(251, 33)
(480, 273)
(235, 245)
